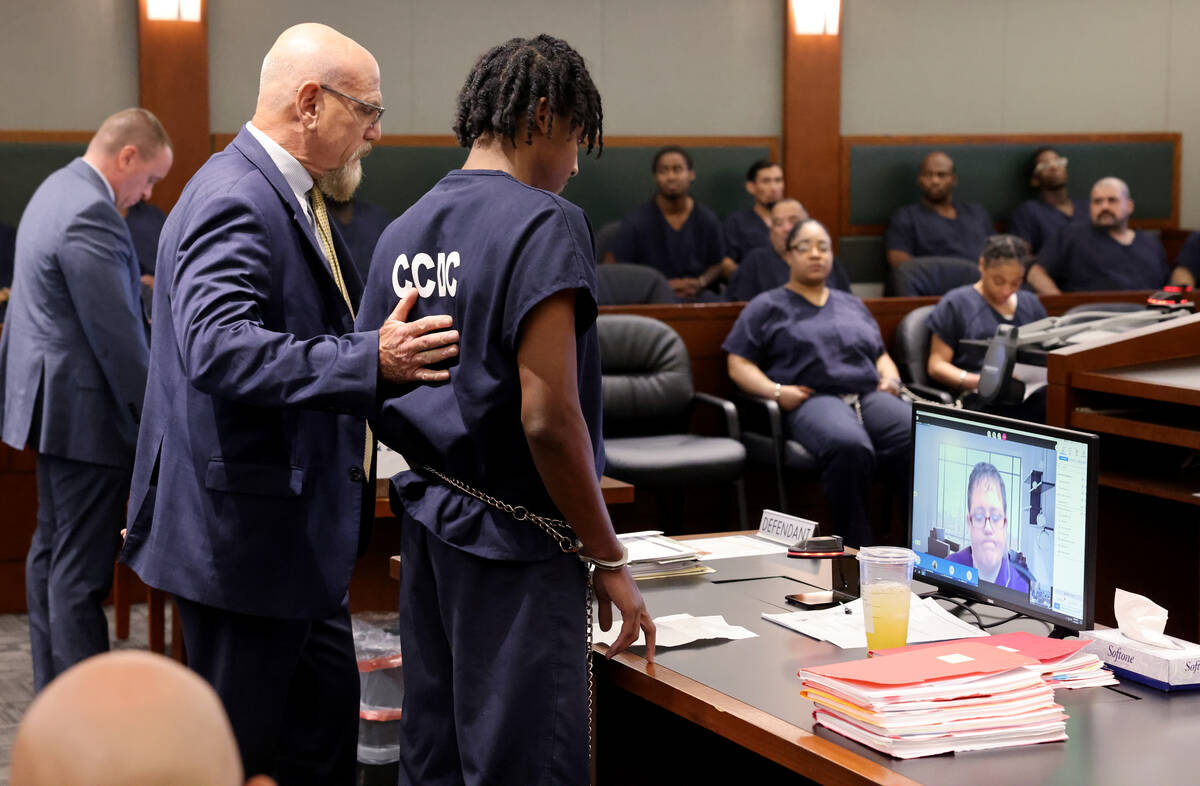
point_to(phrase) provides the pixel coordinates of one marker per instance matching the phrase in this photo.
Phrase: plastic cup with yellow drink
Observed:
(885, 581)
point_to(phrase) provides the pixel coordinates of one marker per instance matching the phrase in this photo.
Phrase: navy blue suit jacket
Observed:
(248, 487)
(73, 351)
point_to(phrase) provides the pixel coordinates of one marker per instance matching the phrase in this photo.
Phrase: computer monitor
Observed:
(1004, 512)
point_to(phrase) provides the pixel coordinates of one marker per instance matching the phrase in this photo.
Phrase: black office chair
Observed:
(648, 397)
(625, 284)
(932, 276)
(910, 350)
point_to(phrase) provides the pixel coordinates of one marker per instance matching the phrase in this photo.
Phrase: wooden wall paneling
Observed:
(812, 106)
(173, 84)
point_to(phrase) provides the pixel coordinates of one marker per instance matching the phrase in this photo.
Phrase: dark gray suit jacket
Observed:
(74, 349)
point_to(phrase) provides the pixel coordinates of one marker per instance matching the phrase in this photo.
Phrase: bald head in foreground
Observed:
(127, 718)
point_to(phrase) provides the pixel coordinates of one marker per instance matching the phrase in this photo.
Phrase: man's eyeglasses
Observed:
(374, 107)
(1049, 162)
(979, 516)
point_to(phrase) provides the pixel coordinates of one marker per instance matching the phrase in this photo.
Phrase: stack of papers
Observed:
(1060, 662)
(843, 625)
(923, 701)
(653, 555)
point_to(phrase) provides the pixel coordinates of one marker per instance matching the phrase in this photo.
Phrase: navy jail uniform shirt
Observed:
(145, 223)
(763, 269)
(921, 232)
(1189, 255)
(1038, 222)
(646, 238)
(1086, 258)
(487, 275)
(361, 233)
(963, 313)
(745, 231)
(831, 348)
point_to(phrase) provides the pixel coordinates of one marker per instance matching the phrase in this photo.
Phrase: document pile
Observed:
(652, 555)
(921, 701)
(1060, 662)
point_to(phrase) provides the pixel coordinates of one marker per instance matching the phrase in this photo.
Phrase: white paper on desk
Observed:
(677, 629)
(735, 546)
(927, 621)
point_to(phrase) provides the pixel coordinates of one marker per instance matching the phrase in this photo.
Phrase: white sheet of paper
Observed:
(927, 621)
(734, 546)
(676, 629)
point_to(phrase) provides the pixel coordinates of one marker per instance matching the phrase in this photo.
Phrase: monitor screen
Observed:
(1003, 511)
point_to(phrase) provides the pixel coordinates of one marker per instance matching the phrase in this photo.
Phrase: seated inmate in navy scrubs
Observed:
(975, 311)
(938, 225)
(674, 233)
(748, 229)
(1038, 221)
(810, 348)
(1104, 255)
(1087, 258)
(492, 610)
(988, 527)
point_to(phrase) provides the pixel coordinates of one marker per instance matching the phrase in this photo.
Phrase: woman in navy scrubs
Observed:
(819, 353)
(975, 311)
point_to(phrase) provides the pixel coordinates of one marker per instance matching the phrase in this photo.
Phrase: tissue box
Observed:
(1157, 667)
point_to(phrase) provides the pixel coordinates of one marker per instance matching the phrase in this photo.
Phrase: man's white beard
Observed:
(340, 184)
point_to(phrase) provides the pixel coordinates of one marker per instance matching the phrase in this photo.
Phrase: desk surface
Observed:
(747, 690)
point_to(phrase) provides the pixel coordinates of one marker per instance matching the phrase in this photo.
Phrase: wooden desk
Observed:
(1141, 393)
(718, 711)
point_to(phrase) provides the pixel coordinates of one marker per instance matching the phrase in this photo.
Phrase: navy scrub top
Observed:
(921, 232)
(831, 348)
(145, 224)
(1086, 258)
(963, 313)
(646, 238)
(1189, 255)
(485, 249)
(763, 269)
(1038, 222)
(744, 232)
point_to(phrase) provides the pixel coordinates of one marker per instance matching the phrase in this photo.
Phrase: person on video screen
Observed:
(987, 524)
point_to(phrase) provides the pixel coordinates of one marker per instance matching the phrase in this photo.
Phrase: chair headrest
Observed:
(911, 350)
(646, 372)
(626, 284)
(933, 275)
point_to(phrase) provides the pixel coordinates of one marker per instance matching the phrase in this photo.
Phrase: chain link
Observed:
(565, 538)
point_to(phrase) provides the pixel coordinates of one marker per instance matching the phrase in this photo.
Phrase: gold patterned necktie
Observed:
(325, 235)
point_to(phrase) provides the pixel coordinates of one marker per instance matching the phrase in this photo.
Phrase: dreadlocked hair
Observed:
(507, 82)
(1003, 248)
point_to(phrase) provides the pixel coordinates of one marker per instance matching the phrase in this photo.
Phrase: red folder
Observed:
(914, 665)
(1042, 648)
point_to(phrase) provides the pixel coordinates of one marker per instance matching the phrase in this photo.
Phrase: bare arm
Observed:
(1040, 280)
(889, 375)
(941, 370)
(563, 454)
(751, 379)
(895, 257)
(1182, 277)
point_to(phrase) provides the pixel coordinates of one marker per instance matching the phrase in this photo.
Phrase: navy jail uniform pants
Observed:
(495, 682)
(849, 451)
(290, 688)
(69, 567)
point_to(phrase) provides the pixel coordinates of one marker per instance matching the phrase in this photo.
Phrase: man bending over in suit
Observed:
(127, 719)
(72, 375)
(254, 485)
